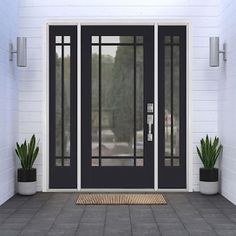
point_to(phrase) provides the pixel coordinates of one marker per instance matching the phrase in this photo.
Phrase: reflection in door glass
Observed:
(58, 130)
(167, 100)
(58, 39)
(66, 101)
(62, 99)
(139, 101)
(172, 98)
(176, 99)
(66, 39)
(139, 162)
(117, 95)
(175, 39)
(118, 162)
(95, 101)
(117, 39)
(95, 39)
(116, 91)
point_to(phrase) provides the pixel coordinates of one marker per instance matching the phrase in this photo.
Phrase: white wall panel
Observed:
(8, 99)
(227, 101)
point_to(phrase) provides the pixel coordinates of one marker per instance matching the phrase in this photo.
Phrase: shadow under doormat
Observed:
(120, 199)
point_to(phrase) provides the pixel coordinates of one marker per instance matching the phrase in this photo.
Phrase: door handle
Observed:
(150, 123)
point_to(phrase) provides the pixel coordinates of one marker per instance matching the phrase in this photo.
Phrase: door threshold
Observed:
(112, 190)
(131, 190)
(92, 190)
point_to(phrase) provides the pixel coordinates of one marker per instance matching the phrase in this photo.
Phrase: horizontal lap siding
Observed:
(8, 99)
(203, 16)
(227, 101)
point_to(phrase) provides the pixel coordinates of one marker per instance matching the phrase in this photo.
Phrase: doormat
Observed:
(120, 199)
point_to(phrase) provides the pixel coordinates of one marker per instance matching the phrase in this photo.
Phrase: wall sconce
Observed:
(21, 51)
(215, 51)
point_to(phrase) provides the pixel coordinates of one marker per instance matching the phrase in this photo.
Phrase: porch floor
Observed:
(57, 214)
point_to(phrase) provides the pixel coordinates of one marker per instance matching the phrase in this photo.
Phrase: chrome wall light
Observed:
(214, 45)
(21, 51)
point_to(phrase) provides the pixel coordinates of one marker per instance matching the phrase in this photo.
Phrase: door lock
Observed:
(150, 108)
(150, 123)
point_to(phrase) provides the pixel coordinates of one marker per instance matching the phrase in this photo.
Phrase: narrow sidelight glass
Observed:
(58, 130)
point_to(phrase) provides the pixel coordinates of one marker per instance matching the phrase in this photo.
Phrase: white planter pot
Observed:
(209, 188)
(27, 188)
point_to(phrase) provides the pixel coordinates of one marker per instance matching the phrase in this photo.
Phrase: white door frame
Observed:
(45, 103)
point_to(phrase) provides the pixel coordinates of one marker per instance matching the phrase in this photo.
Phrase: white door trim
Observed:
(45, 109)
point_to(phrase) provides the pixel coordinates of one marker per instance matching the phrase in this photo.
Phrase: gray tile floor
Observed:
(57, 214)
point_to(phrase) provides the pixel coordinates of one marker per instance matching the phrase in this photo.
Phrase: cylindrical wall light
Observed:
(21, 51)
(214, 51)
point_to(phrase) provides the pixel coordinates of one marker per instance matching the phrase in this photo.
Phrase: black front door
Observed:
(117, 106)
(172, 107)
(63, 106)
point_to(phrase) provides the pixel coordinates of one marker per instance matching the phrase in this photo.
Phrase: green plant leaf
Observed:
(27, 153)
(209, 151)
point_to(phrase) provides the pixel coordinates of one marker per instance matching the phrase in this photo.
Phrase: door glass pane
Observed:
(176, 162)
(58, 39)
(118, 162)
(117, 100)
(58, 162)
(167, 39)
(167, 162)
(67, 162)
(95, 39)
(176, 99)
(175, 39)
(139, 162)
(167, 100)
(58, 128)
(95, 162)
(117, 39)
(66, 101)
(95, 101)
(66, 39)
(139, 39)
(139, 101)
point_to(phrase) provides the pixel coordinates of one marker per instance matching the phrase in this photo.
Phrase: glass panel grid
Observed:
(117, 111)
(139, 102)
(95, 100)
(67, 100)
(172, 101)
(113, 92)
(62, 101)
(58, 82)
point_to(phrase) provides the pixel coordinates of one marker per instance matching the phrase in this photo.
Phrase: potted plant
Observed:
(26, 176)
(208, 152)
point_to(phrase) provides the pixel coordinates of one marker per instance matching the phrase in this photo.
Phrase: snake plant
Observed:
(209, 151)
(27, 153)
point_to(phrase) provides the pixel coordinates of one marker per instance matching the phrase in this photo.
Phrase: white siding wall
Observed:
(8, 99)
(227, 101)
(202, 14)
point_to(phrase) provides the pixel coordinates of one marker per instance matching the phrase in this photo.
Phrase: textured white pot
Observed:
(209, 188)
(27, 188)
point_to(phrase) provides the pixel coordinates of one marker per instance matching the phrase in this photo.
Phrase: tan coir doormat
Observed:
(120, 199)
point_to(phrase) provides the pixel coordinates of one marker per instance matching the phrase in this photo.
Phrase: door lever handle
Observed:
(150, 123)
